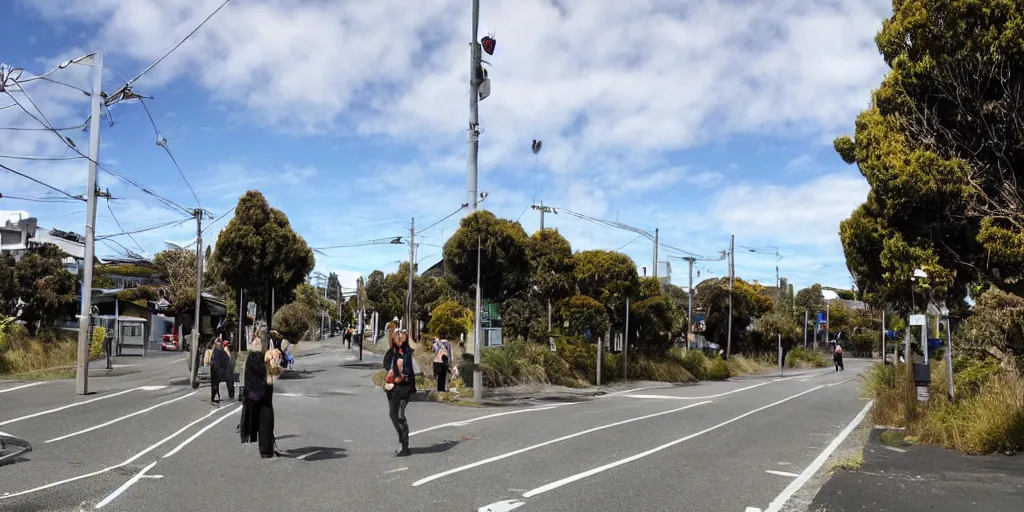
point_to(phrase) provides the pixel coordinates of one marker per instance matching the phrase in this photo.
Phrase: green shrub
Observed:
(702, 367)
(99, 335)
(450, 320)
(800, 357)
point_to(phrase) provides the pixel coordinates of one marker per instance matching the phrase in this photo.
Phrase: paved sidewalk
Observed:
(924, 478)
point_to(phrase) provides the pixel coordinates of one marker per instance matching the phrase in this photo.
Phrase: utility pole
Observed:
(625, 346)
(689, 302)
(883, 335)
(732, 277)
(473, 134)
(359, 321)
(412, 272)
(551, 339)
(654, 272)
(478, 376)
(198, 212)
(543, 209)
(85, 320)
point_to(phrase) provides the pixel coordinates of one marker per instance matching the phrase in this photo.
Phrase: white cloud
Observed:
(808, 213)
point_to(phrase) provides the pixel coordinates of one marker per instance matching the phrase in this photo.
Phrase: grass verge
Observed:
(800, 357)
(848, 463)
(987, 415)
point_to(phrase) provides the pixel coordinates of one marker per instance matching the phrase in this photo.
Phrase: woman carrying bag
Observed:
(399, 384)
(257, 423)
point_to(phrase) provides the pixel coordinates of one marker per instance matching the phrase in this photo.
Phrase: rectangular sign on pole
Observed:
(917, 320)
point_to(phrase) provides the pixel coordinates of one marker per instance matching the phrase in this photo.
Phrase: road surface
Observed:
(138, 444)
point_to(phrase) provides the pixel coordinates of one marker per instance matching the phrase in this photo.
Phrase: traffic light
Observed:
(488, 43)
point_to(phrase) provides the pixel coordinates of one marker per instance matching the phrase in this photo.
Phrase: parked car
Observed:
(170, 342)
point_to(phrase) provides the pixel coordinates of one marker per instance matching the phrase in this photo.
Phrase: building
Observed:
(19, 236)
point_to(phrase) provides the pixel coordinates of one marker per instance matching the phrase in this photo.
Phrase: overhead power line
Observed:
(47, 185)
(143, 230)
(111, 210)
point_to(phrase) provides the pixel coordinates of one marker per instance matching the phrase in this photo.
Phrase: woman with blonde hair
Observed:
(257, 423)
(400, 384)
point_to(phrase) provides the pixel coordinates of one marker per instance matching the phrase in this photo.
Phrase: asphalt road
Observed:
(139, 444)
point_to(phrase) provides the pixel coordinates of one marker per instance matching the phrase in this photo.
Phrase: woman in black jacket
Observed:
(257, 423)
(400, 384)
(221, 371)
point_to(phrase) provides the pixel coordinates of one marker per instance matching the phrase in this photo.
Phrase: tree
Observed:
(767, 328)
(179, 265)
(940, 146)
(551, 264)
(504, 264)
(8, 286)
(810, 299)
(526, 319)
(259, 252)
(580, 314)
(333, 286)
(45, 287)
(293, 321)
(748, 303)
(608, 277)
(450, 320)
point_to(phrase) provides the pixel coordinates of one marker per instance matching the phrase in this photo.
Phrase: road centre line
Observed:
(708, 397)
(489, 416)
(546, 443)
(781, 473)
(795, 485)
(23, 386)
(121, 418)
(600, 469)
(130, 460)
(201, 432)
(58, 409)
(124, 487)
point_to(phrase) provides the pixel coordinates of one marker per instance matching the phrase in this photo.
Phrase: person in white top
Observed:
(837, 358)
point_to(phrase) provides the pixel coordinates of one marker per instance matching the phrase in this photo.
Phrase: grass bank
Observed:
(46, 356)
(800, 357)
(987, 415)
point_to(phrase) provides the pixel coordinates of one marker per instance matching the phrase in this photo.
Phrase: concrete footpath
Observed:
(913, 478)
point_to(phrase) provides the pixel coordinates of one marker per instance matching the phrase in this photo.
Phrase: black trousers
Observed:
(215, 380)
(441, 372)
(838, 360)
(398, 399)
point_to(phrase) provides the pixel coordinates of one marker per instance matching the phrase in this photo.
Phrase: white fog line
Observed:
(708, 397)
(840, 382)
(124, 487)
(617, 393)
(201, 432)
(121, 418)
(600, 469)
(133, 458)
(781, 473)
(23, 386)
(546, 443)
(395, 470)
(304, 455)
(489, 416)
(58, 409)
(795, 485)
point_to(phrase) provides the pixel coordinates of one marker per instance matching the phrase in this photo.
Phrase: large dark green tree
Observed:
(46, 288)
(608, 277)
(749, 302)
(259, 252)
(940, 146)
(8, 286)
(504, 262)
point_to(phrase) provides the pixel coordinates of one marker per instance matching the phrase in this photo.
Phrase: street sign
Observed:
(821, 317)
(917, 320)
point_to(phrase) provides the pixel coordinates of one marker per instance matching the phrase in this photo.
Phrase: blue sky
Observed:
(705, 120)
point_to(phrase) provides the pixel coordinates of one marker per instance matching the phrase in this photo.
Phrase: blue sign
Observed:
(934, 343)
(891, 335)
(821, 317)
(586, 333)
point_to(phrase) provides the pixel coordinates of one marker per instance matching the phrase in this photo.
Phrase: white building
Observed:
(19, 234)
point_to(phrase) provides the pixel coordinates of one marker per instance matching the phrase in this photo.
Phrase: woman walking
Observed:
(221, 371)
(442, 361)
(400, 384)
(257, 423)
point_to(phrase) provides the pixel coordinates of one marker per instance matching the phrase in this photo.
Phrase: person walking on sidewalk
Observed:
(837, 358)
(221, 371)
(442, 361)
(400, 384)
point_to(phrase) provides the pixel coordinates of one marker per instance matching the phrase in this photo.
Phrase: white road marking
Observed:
(23, 386)
(840, 382)
(489, 416)
(502, 506)
(124, 487)
(600, 469)
(153, 476)
(617, 393)
(395, 470)
(152, 388)
(708, 397)
(894, 449)
(133, 458)
(58, 409)
(201, 432)
(795, 485)
(752, 509)
(121, 418)
(781, 473)
(177, 361)
(546, 443)
(304, 455)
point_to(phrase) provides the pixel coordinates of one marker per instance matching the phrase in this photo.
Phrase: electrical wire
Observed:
(394, 240)
(40, 158)
(111, 210)
(30, 178)
(446, 217)
(225, 214)
(162, 142)
(39, 199)
(143, 230)
(628, 243)
(41, 129)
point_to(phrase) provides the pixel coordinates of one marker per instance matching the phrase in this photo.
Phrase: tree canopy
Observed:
(258, 251)
(939, 147)
(504, 263)
(608, 277)
(45, 287)
(179, 266)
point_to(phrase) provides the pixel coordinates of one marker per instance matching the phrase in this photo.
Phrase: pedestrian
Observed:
(399, 384)
(257, 422)
(442, 362)
(220, 371)
(837, 358)
(348, 336)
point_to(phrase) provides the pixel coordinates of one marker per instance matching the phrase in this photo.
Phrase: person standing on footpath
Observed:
(442, 361)
(399, 384)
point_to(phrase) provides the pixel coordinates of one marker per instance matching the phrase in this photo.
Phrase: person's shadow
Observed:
(440, 447)
(314, 453)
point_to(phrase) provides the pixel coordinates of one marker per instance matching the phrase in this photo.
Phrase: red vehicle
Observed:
(169, 342)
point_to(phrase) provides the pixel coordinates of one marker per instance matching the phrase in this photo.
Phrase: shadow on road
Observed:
(315, 453)
(299, 375)
(441, 447)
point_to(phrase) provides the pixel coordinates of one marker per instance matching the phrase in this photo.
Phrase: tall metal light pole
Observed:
(85, 321)
(412, 272)
(478, 376)
(473, 133)
(732, 277)
(198, 212)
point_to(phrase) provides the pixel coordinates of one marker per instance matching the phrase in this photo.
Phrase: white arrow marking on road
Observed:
(600, 469)
(546, 443)
(781, 473)
(395, 470)
(115, 420)
(23, 386)
(124, 487)
(502, 506)
(76, 404)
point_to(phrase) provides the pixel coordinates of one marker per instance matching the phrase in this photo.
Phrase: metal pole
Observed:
(689, 305)
(625, 346)
(600, 353)
(805, 328)
(654, 272)
(473, 134)
(85, 321)
(242, 342)
(478, 376)
(883, 336)
(949, 360)
(199, 297)
(732, 276)
(412, 271)
(362, 313)
(780, 354)
(551, 339)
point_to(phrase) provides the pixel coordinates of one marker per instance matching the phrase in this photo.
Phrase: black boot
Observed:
(403, 437)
